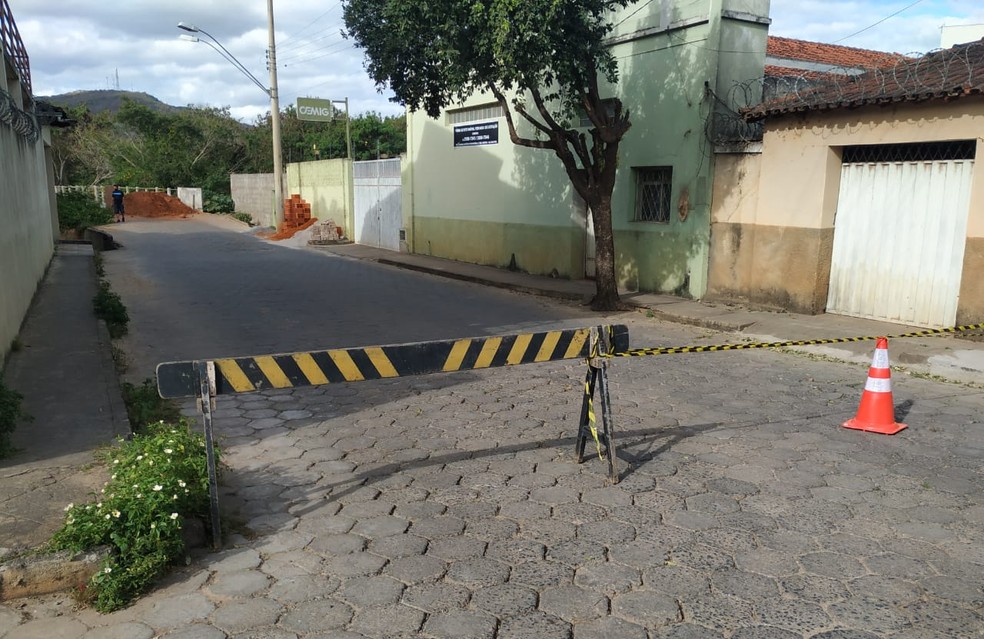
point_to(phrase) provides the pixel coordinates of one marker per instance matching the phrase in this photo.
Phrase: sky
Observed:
(135, 46)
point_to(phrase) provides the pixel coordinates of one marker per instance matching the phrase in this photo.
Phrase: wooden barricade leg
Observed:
(206, 403)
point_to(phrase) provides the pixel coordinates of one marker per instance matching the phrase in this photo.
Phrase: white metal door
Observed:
(899, 239)
(378, 203)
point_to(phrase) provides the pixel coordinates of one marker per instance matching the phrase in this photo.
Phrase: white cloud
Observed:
(84, 44)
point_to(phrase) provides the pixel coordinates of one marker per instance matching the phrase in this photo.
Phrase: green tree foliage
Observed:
(78, 211)
(550, 55)
(201, 146)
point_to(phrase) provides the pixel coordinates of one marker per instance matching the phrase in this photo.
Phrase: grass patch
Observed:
(109, 307)
(145, 406)
(11, 412)
(159, 480)
(78, 211)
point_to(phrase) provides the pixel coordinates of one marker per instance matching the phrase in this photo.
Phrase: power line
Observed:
(905, 8)
(337, 4)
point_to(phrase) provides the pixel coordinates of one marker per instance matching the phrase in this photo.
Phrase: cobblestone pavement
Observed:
(449, 506)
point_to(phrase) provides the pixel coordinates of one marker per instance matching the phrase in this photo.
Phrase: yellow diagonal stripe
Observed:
(234, 375)
(272, 371)
(577, 343)
(346, 366)
(548, 346)
(310, 368)
(519, 348)
(381, 362)
(489, 350)
(456, 355)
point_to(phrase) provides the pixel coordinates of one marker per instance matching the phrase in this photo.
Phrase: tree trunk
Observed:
(606, 280)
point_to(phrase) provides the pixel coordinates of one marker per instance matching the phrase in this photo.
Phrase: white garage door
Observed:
(899, 234)
(378, 203)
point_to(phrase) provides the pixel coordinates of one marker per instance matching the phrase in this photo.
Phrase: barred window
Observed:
(475, 114)
(913, 152)
(653, 188)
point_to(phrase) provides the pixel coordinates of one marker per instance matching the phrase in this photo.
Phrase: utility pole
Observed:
(278, 163)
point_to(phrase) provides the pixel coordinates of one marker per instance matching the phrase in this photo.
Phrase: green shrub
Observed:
(108, 306)
(159, 479)
(144, 405)
(244, 217)
(77, 210)
(217, 203)
(10, 413)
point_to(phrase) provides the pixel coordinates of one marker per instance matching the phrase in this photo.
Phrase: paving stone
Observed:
(380, 526)
(607, 577)
(955, 589)
(540, 574)
(504, 600)
(235, 560)
(814, 588)
(573, 603)
(317, 616)
(865, 613)
(700, 557)
(270, 632)
(576, 552)
(238, 616)
(845, 634)
(461, 624)
(492, 528)
(765, 632)
(555, 495)
(579, 513)
(535, 625)
(944, 619)
(712, 503)
(684, 631)
(895, 565)
(609, 533)
(639, 554)
(434, 527)
(284, 541)
(607, 628)
(691, 520)
(334, 545)
(436, 597)
(515, 551)
(370, 591)
(525, 510)
(548, 531)
(383, 622)
(478, 572)
(416, 568)
(355, 565)
(303, 588)
(177, 611)
(396, 546)
(646, 608)
(745, 585)
(718, 611)
(456, 548)
(418, 509)
(243, 583)
(133, 630)
(798, 616)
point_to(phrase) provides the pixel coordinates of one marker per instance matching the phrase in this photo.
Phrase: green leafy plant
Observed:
(144, 405)
(244, 217)
(217, 203)
(108, 306)
(77, 210)
(159, 480)
(10, 413)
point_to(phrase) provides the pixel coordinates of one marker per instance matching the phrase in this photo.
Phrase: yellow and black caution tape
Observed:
(673, 350)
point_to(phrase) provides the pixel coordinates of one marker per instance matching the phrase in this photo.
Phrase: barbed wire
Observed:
(23, 123)
(942, 73)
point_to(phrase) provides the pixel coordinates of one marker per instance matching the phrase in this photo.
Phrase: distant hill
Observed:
(107, 100)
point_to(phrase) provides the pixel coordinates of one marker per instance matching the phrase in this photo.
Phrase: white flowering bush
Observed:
(159, 478)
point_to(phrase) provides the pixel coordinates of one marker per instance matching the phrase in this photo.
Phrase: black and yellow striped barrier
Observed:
(673, 350)
(291, 370)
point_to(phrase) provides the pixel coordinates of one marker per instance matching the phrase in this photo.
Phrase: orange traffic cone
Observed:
(877, 411)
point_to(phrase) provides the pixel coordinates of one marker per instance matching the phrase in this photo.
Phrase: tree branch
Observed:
(513, 135)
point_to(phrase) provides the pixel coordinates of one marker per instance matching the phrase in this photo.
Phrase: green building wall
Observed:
(502, 204)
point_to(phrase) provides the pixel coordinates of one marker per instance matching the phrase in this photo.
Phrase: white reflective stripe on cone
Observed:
(881, 358)
(878, 385)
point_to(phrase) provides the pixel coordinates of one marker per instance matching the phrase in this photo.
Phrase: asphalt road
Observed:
(198, 290)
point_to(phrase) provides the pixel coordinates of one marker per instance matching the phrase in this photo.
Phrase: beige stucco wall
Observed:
(327, 186)
(773, 212)
(26, 227)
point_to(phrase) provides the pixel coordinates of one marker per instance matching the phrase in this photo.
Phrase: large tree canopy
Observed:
(542, 60)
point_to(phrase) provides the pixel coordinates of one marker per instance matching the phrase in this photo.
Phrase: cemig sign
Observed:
(315, 110)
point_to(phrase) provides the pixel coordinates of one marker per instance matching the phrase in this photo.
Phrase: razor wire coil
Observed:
(22, 123)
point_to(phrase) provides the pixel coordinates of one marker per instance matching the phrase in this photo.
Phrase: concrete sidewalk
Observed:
(64, 370)
(954, 357)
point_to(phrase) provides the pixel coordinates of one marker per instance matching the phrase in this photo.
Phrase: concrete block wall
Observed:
(253, 193)
(190, 197)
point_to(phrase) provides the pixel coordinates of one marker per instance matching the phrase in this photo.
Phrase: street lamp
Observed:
(278, 168)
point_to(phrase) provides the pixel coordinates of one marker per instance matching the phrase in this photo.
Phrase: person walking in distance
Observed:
(118, 203)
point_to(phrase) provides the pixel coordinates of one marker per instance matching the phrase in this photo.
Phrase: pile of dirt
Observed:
(287, 232)
(151, 204)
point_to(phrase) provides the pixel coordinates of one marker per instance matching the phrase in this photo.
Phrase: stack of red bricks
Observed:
(297, 212)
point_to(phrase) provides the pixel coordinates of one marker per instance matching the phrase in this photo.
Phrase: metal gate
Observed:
(899, 239)
(378, 203)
